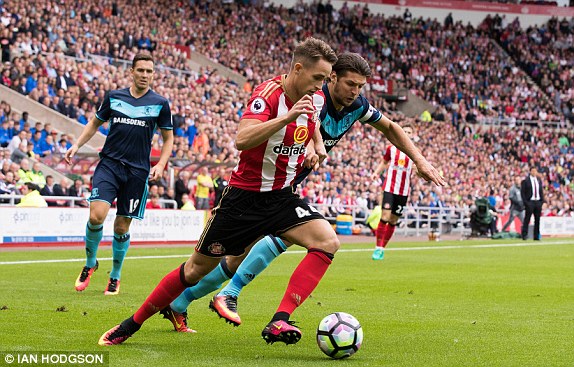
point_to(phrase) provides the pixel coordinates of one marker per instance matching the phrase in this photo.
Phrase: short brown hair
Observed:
(312, 50)
(141, 57)
(351, 62)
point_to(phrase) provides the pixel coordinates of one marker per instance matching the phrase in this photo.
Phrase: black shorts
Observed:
(243, 216)
(396, 203)
(116, 180)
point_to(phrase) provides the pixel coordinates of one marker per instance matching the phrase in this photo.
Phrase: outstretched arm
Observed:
(398, 138)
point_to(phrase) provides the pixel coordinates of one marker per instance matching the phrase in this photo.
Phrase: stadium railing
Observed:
(503, 121)
(416, 220)
(71, 201)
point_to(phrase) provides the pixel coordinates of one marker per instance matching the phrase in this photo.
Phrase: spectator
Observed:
(181, 187)
(5, 134)
(24, 173)
(153, 203)
(62, 189)
(220, 182)
(24, 120)
(37, 140)
(78, 190)
(407, 16)
(17, 140)
(32, 197)
(201, 142)
(187, 203)
(37, 176)
(20, 153)
(516, 204)
(48, 190)
(8, 184)
(426, 116)
(204, 185)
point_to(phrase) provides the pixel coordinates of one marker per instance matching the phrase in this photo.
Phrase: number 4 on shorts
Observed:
(301, 213)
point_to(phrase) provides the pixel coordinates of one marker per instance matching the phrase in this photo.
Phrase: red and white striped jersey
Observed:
(274, 164)
(398, 178)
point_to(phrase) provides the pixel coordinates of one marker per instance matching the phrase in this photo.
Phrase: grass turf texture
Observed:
(470, 306)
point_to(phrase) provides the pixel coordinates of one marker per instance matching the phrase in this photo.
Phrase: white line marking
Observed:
(421, 248)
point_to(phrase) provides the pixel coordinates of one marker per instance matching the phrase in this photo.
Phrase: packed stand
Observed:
(207, 107)
(451, 65)
(546, 53)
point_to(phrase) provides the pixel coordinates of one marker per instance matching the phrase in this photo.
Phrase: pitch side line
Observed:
(453, 247)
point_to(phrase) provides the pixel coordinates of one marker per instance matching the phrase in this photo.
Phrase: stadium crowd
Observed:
(457, 68)
(451, 65)
(548, 57)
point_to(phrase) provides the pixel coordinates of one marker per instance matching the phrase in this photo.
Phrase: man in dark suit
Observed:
(63, 80)
(533, 196)
(62, 189)
(48, 190)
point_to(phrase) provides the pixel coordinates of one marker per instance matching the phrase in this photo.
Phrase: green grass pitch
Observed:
(426, 304)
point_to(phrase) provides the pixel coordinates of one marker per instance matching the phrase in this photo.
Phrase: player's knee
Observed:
(97, 218)
(122, 225)
(121, 228)
(330, 245)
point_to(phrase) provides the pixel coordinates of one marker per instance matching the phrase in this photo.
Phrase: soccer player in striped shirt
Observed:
(344, 106)
(396, 188)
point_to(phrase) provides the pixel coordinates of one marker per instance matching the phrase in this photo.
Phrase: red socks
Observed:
(384, 233)
(305, 279)
(168, 289)
(379, 233)
(388, 233)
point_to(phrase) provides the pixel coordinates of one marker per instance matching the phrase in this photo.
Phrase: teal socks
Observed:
(94, 233)
(120, 245)
(259, 258)
(206, 285)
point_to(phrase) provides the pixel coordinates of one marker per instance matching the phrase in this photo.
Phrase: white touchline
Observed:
(421, 248)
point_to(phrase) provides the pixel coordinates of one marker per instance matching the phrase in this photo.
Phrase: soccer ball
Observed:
(339, 335)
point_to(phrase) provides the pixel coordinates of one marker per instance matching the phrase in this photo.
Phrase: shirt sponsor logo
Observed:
(295, 149)
(258, 105)
(300, 135)
(330, 142)
(128, 121)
